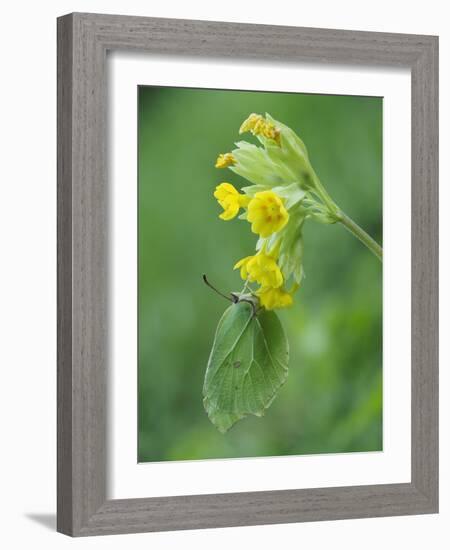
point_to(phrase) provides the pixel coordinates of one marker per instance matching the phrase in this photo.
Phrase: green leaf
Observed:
(247, 365)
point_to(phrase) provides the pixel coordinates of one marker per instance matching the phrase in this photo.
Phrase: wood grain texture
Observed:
(64, 297)
(83, 318)
(424, 275)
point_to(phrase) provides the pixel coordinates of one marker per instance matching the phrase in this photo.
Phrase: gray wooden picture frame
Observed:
(83, 42)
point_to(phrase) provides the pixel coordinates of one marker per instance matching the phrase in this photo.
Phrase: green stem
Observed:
(360, 234)
(348, 223)
(320, 190)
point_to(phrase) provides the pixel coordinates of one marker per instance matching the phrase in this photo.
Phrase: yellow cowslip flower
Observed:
(261, 268)
(266, 213)
(274, 298)
(224, 160)
(249, 123)
(259, 126)
(230, 200)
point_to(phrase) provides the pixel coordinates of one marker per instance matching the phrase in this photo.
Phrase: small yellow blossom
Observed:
(266, 213)
(230, 200)
(261, 268)
(274, 298)
(224, 160)
(259, 126)
(250, 123)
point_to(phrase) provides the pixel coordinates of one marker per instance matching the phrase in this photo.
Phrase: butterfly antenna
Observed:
(205, 280)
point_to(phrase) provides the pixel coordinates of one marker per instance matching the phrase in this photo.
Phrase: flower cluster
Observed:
(284, 192)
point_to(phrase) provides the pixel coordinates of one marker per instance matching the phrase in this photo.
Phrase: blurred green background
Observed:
(332, 400)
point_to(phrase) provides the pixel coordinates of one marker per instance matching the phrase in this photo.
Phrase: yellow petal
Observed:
(250, 123)
(273, 298)
(244, 200)
(267, 213)
(224, 160)
(230, 212)
(225, 189)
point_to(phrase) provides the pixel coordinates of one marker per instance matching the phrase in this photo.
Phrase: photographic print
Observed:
(260, 274)
(243, 240)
